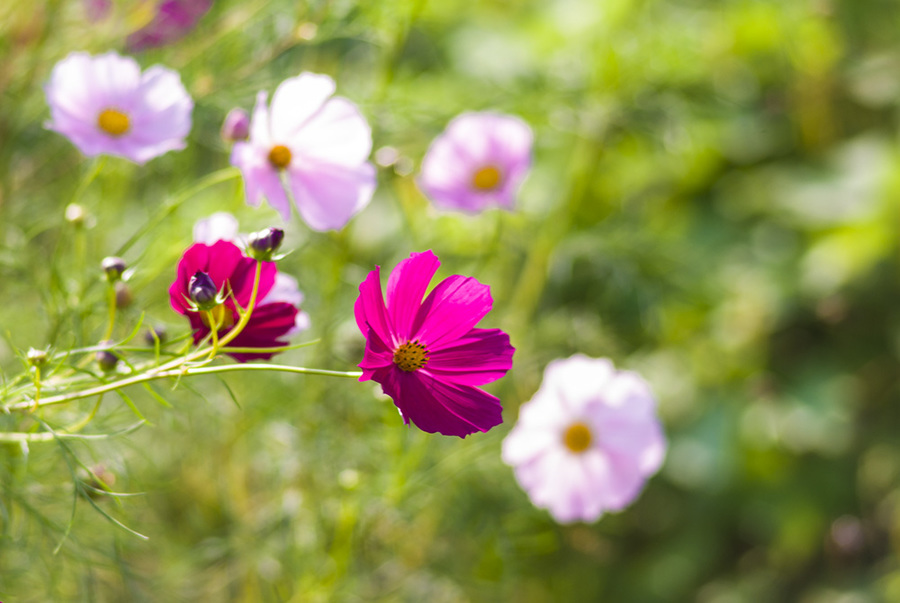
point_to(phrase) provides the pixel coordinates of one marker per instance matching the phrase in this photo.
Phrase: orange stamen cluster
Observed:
(578, 437)
(486, 178)
(411, 356)
(113, 122)
(280, 157)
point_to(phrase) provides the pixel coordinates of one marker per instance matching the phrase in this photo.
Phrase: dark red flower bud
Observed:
(203, 291)
(113, 267)
(264, 243)
(106, 359)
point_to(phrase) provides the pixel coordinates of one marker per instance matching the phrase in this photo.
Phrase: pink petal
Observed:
(405, 289)
(336, 134)
(260, 178)
(328, 195)
(438, 407)
(260, 133)
(377, 355)
(450, 311)
(370, 311)
(481, 356)
(296, 100)
(524, 444)
(618, 478)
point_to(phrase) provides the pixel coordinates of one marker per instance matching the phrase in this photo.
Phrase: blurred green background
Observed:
(714, 203)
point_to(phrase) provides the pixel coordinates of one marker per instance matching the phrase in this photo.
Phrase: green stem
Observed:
(178, 372)
(111, 303)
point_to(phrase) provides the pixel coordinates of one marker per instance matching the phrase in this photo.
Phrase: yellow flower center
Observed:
(221, 315)
(411, 356)
(113, 122)
(487, 178)
(578, 437)
(280, 156)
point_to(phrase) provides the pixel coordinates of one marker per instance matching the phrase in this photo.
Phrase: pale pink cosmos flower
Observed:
(478, 162)
(587, 441)
(105, 105)
(223, 226)
(316, 144)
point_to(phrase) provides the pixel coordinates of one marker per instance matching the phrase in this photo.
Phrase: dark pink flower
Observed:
(427, 355)
(233, 274)
(172, 21)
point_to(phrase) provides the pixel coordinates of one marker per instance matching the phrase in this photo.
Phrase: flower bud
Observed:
(106, 359)
(124, 297)
(154, 334)
(113, 267)
(236, 126)
(203, 291)
(75, 214)
(37, 357)
(264, 243)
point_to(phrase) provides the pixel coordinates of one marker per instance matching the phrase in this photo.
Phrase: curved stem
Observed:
(179, 372)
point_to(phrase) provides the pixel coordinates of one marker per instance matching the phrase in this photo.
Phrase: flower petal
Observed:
(370, 311)
(450, 311)
(406, 287)
(481, 356)
(328, 195)
(438, 407)
(296, 100)
(336, 134)
(260, 178)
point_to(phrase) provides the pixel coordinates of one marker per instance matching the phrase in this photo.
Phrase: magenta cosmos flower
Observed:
(316, 144)
(222, 226)
(105, 105)
(427, 355)
(479, 161)
(273, 318)
(172, 21)
(587, 441)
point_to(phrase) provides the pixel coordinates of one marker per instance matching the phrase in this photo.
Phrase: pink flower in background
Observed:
(427, 355)
(105, 105)
(317, 143)
(478, 162)
(171, 22)
(231, 272)
(222, 226)
(587, 441)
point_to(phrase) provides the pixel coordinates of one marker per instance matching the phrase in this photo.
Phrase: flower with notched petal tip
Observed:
(427, 353)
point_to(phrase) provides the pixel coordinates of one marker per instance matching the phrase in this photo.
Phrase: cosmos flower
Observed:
(427, 355)
(317, 144)
(105, 105)
(172, 21)
(222, 226)
(231, 273)
(478, 162)
(587, 441)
